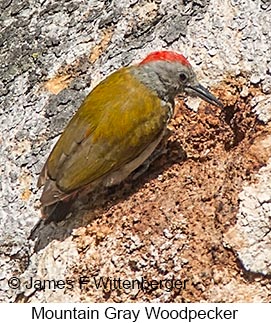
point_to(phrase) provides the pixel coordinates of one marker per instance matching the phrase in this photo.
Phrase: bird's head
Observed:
(169, 74)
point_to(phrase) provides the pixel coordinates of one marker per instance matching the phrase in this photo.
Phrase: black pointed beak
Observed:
(203, 93)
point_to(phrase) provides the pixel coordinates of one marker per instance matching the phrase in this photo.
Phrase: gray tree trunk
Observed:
(205, 218)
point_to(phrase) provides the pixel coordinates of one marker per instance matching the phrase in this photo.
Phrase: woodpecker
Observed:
(117, 128)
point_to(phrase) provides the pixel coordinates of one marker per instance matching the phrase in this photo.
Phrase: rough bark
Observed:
(205, 217)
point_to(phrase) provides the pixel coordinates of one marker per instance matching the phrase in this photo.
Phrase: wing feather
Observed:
(114, 124)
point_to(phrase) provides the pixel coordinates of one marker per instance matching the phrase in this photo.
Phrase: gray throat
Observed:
(153, 79)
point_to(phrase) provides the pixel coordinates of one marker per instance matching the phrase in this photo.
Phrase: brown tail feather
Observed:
(51, 193)
(52, 213)
(58, 211)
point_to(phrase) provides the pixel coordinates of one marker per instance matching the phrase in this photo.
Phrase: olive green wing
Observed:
(114, 124)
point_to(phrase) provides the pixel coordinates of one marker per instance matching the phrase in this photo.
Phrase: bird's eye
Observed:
(183, 77)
